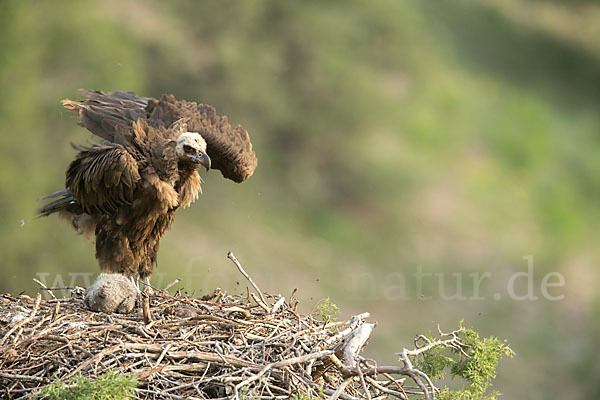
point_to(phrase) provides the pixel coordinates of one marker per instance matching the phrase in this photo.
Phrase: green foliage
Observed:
(306, 396)
(477, 367)
(484, 355)
(247, 394)
(326, 310)
(108, 386)
(434, 362)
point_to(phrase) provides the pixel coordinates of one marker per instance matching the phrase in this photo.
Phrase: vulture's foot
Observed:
(147, 287)
(112, 293)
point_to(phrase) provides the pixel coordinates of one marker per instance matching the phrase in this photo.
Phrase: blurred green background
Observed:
(452, 136)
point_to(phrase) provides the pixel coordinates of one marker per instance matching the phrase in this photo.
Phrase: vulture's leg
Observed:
(146, 266)
(147, 287)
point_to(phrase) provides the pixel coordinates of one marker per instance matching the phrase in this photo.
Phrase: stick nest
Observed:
(228, 346)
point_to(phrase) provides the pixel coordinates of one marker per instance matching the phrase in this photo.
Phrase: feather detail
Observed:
(190, 190)
(102, 177)
(165, 193)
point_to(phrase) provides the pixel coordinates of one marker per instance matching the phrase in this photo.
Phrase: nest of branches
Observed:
(254, 346)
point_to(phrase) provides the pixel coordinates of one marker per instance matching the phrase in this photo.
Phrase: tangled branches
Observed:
(244, 347)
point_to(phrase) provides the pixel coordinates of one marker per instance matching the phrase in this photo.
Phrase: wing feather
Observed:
(108, 114)
(229, 147)
(102, 177)
(111, 116)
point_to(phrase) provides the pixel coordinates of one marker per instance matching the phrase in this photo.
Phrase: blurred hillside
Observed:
(455, 137)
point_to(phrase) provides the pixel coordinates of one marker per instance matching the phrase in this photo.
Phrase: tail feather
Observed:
(65, 202)
(61, 192)
(67, 207)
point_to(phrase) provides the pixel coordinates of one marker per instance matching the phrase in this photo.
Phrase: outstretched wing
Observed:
(108, 115)
(229, 147)
(102, 178)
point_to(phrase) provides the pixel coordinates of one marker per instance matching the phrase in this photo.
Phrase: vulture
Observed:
(124, 191)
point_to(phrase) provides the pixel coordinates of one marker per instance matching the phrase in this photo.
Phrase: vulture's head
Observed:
(191, 148)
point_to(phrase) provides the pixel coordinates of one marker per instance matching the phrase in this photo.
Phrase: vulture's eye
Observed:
(188, 149)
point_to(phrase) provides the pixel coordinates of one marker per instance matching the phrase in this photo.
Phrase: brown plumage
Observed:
(125, 190)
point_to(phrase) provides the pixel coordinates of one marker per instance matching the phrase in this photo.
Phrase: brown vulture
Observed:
(126, 189)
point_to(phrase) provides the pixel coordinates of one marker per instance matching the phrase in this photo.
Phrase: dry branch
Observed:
(243, 272)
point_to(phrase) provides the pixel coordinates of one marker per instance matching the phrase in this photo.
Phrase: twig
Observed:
(23, 377)
(44, 287)
(363, 383)
(277, 305)
(162, 355)
(284, 363)
(397, 382)
(386, 390)
(258, 301)
(340, 389)
(171, 284)
(240, 310)
(241, 269)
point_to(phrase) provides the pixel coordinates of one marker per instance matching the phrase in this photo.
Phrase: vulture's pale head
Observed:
(191, 147)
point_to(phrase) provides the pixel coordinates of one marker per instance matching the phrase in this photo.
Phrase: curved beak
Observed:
(203, 159)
